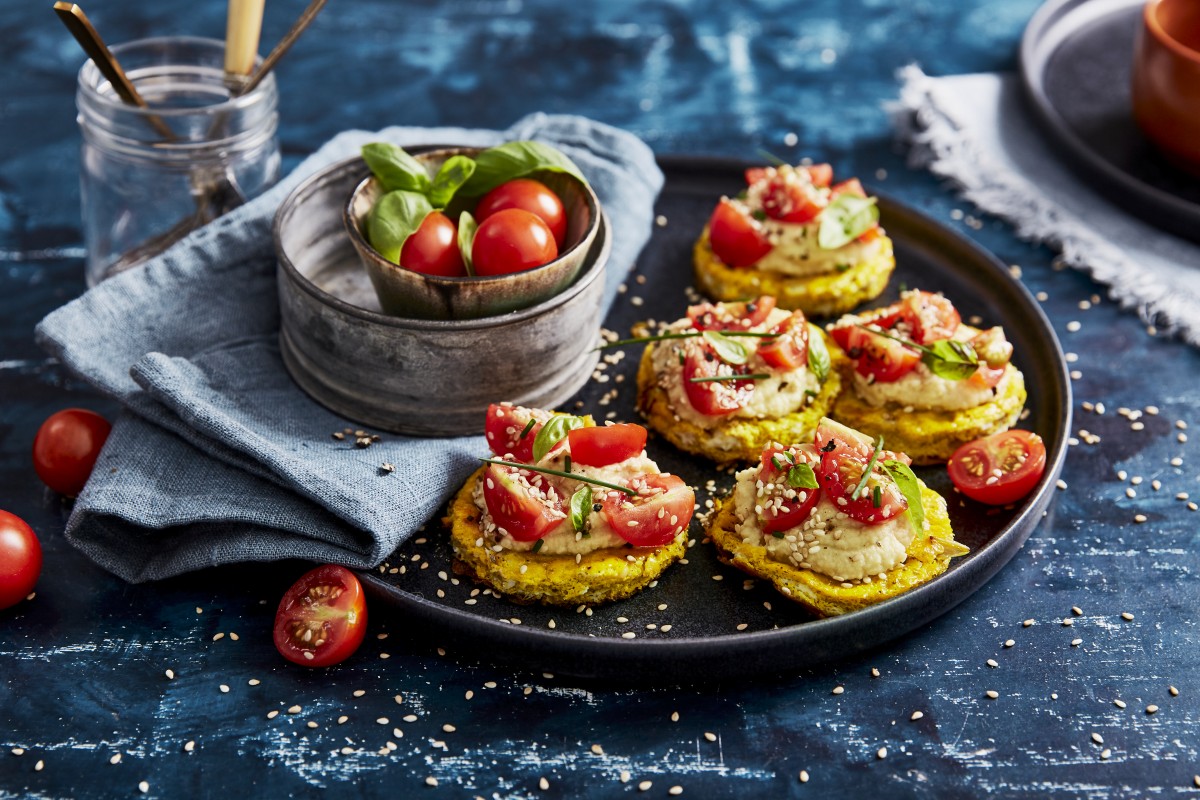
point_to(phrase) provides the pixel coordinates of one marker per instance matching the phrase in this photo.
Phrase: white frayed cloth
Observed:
(975, 131)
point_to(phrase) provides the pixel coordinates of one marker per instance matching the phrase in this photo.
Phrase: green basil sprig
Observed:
(393, 219)
(553, 432)
(730, 351)
(395, 169)
(512, 160)
(946, 358)
(802, 476)
(581, 507)
(907, 482)
(845, 219)
(467, 228)
(819, 361)
(455, 171)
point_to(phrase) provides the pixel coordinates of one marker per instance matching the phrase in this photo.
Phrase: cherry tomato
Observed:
(433, 248)
(931, 316)
(663, 507)
(713, 398)
(783, 505)
(509, 433)
(821, 174)
(738, 240)
(518, 502)
(999, 469)
(993, 347)
(831, 435)
(853, 186)
(789, 348)
(66, 447)
(322, 619)
(20, 559)
(731, 316)
(840, 473)
(877, 357)
(512, 240)
(607, 444)
(986, 377)
(530, 195)
(789, 198)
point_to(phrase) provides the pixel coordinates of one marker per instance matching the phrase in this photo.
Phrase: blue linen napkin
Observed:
(975, 131)
(218, 456)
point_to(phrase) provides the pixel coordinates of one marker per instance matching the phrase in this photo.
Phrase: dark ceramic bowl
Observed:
(418, 376)
(405, 293)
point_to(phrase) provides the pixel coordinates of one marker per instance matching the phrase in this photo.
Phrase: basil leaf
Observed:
(950, 359)
(907, 482)
(395, 169)
(581, 507)
(730, 351)
(453, 174)
(845, 219)
(501, 164)
(466, 239)
(553, 432)
(802, 476)
(393, 219)
(818, 354)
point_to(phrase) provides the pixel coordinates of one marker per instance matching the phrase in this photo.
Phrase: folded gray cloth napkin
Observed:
(218, 457)
(975, 131)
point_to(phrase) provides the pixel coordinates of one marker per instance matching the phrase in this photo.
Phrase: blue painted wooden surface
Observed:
(82, 666)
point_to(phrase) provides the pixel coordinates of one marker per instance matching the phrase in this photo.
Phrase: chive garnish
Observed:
(567, 464)
(867, 472)
(753, 376)
(659, 337)
(877, 497)
(561, 474)
(528, 427)
(538, 545)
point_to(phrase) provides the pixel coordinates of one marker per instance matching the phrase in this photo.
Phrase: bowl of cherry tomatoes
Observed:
(467, 233)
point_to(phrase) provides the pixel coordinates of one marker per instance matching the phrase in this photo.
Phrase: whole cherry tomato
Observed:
(433, 248)
(322, 618)
(530, 195)
(66, 447)
(512, 240)
(20, 559)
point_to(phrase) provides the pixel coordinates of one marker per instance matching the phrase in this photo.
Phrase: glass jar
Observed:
(151, 175)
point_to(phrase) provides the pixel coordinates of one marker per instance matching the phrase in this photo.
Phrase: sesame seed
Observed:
(383, 721)
(1068, 622)
(543, 784)
(644, 786)
(804, 776)
(625, 776)
(295, 710)
(431, 781)
(1173, 691)
(1077, 611)
(675, 790)
(1009, 643)
(597, 750)
(1150, 709)
(874, 672)
(312, 724)
(712, 737)
(1027, 623)
(253, 682)
(1097, 738)
(170, 674)
(916, 715)
(1139, 518)
(342, 719)
(18, 751)
(272, 714)
(881, 753)
(674, 716)
(1125, 615)
(1073, 326)
(839, 689)
(1119, 703)
(992, 695)
(991, 662)
(1105, 753)
(224, 688)
(116, 759)
(189, 747)
(628, 635)
(144, 787)
(1076, 642)
(218, 637)
(448, 728)
(1061, 484)
(410, 717)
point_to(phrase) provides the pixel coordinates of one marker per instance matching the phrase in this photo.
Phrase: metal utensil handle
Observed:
(284, 45)
(89, 39)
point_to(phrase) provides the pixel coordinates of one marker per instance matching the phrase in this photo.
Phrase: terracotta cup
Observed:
(1166, 79)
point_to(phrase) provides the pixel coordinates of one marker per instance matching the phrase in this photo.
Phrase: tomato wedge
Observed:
(931, 316)
(321, 620)
(714, 398)
(662, 509)
(509, 433)
(738, 240)
(519, 503)
(783, 504)
(880, 499)
(831, 435)
(731, 316)
(608, 444)
(852, 186)
(879, 358)
(788, 198)
(999, 469)
(788, 349)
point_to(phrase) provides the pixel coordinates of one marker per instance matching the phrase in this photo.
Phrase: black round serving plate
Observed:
(1076, 59)
(722, 624)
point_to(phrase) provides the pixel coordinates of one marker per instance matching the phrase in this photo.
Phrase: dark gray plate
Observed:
(1076, 61)
(705, 601)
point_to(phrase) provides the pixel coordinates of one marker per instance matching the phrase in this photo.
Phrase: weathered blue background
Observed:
(82, 666)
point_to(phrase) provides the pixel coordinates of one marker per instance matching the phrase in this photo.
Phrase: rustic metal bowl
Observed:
(406, 293)
(416, 376)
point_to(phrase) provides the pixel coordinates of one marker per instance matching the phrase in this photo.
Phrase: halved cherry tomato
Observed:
(512, 240)
(322, 619)
(530, 195)
(509, 433)
(20, 559)
(852, 186)
(877, 357)
(789, 348)
(66, 447)
(783, 505)
(931, 316)
(602, 445)
(999, 469)
(663, 507)
(986, 377)
(789, 198)
(738, 240)
(731, 316)
(993, 347)
(840, 473)
(821, 174)
(518, 502)
(831, 435)
(433, 248)
(711, 397)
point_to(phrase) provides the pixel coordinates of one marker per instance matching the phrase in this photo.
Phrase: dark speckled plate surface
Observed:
(1076, 61)
(703, 601)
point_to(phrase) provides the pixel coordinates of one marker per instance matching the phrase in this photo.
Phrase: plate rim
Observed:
(710, 657)
(1040, 40)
